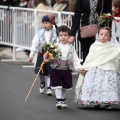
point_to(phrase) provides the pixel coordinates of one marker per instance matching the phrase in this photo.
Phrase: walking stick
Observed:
(34, 80)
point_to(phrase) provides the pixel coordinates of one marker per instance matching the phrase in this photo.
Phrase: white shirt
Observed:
(35, 42)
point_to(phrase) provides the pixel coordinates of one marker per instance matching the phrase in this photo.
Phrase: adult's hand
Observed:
(71, 39)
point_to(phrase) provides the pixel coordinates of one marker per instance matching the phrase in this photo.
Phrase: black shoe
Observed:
(42, 87)
(97, 106)
(108, 107)
(49, 91)
(59, 103)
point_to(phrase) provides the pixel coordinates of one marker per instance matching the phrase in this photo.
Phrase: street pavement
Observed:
(15, 82)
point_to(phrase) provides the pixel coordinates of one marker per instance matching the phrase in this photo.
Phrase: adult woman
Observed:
(87, 12)
(42, 4)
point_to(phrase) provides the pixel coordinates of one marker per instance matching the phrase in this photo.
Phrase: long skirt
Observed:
(46, 69)
(100, 87)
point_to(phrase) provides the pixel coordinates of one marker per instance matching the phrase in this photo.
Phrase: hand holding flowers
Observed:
(51, 51)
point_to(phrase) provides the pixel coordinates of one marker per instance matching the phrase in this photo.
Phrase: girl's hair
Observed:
(49, 18)
(72, 5)
(105, 28)
(116, 3)
(63, 28)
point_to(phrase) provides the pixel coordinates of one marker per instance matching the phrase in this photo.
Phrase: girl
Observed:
(100, 76)
(47, 34)
(61, 77)
(116, 13)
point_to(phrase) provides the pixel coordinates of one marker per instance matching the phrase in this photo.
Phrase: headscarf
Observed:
(49, 18)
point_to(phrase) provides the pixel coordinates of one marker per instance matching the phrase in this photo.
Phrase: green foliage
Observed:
(105, 19)
(51, 48)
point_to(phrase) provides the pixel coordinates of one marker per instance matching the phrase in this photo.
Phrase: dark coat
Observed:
(83, 7)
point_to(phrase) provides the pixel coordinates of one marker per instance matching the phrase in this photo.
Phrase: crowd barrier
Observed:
(19, 25)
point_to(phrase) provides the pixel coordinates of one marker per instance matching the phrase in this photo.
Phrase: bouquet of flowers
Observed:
(105, 19)
(51, 50)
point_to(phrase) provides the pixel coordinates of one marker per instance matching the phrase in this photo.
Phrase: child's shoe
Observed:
(64, 105)
(42, 87)
(59, 105)
(49, 91)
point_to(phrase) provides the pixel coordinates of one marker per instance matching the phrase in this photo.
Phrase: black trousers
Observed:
(85, 45)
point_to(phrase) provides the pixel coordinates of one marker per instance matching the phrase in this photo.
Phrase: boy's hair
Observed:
(63, 28)
(116, 3)
(105, 28)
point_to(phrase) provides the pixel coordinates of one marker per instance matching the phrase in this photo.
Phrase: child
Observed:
(116, 23)
(100, 76)
(61, 77)
(47, 34)
(116, 8)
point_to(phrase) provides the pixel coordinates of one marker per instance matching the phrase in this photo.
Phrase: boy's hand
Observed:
(46, 55)
(83, 72)
(30, 59)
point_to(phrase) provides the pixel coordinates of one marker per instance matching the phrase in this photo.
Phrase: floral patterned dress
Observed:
(100, 87)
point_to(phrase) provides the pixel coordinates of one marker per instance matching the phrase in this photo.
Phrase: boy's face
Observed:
(104, 35)
(63, 37)
(115, 10)
(47, 25)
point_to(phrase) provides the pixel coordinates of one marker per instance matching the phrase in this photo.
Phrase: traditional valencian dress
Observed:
(62, 66)
(101, 84)
(40, 38)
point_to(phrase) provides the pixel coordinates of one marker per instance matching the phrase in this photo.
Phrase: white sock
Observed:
(48, 81)
(63, 93)
(58, 93)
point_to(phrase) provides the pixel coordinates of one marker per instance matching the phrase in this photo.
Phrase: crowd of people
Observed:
(99, 74)
(56, 5)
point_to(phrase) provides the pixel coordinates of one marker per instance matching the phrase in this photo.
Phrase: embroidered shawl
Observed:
(41, 34)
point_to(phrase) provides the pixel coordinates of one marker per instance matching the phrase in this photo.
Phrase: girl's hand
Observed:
(83, 72)
(30, 59)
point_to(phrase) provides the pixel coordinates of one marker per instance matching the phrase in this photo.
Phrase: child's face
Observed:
(104, 35)
(63, 37)
(47, 25)
(115, 10)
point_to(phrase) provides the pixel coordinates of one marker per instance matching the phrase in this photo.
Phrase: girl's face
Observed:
(63, 37)
(115, 10)
(104, 35)
(47, 25)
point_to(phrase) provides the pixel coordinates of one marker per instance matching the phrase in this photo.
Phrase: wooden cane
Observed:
(34, 81)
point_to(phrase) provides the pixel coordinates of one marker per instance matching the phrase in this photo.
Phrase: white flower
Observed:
(108, 14)
(51, 46)
(55, 44)
(55, 50)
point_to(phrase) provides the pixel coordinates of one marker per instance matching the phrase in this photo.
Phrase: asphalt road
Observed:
(15, 82)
